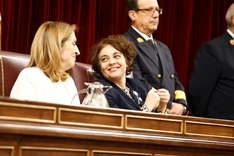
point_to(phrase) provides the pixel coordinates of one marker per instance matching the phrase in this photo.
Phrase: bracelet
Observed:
(144, 108)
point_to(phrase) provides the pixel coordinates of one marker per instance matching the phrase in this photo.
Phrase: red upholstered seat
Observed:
(79, 75)
(12, 63)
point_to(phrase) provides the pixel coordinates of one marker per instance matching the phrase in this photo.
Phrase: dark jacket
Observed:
(117, 98)
(211, 85)
(160, 74)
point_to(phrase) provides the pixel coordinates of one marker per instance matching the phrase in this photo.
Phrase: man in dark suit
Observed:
(211, 85)
(154, 62)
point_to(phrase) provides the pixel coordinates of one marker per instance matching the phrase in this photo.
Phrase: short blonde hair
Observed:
(46, 48)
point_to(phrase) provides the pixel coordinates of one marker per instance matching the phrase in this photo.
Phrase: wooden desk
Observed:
(40, 129)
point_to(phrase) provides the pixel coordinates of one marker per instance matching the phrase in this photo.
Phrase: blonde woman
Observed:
(45, 79)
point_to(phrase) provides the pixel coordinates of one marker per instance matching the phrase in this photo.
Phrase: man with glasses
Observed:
(154, 62)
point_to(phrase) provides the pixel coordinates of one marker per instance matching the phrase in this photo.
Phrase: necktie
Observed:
(157, 61)
(153, 44)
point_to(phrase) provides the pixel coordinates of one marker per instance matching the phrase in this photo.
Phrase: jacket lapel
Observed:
(162, 58)
(148, 50)
(229, 39)
(125, 96)
(142, 44)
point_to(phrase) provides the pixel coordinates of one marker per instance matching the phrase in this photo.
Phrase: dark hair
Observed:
(120, 43)
(131, 5)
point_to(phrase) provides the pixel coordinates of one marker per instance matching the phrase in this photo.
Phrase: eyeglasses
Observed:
(151, 11)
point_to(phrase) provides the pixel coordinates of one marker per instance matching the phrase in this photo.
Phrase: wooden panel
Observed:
(209, 129)
(153, 124)
(6, 150)
(26, 112)
(90, 118)
(117, 153)
(60, 130)
(0, 32)
(165, 155)
(43, 151)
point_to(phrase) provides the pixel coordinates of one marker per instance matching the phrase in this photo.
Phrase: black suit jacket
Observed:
(117, 98)
(158, 76)
(211, 85)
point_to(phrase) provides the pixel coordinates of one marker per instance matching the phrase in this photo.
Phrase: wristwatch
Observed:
(185, 110)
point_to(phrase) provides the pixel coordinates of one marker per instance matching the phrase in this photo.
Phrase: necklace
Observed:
(127, 91)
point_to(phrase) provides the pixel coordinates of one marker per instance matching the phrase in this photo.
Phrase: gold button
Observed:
(172, 76)
(159, 76)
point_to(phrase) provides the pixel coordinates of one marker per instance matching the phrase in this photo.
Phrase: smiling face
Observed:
(69, 51)
(113, 64)
(143, 19)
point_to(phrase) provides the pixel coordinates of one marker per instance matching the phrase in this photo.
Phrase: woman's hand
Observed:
(164, 96)
(152, 99)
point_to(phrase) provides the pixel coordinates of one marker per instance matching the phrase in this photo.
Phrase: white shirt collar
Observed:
(143, 35)
(230, 33)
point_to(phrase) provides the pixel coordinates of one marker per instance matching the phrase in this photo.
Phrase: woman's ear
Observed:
(132, 15)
